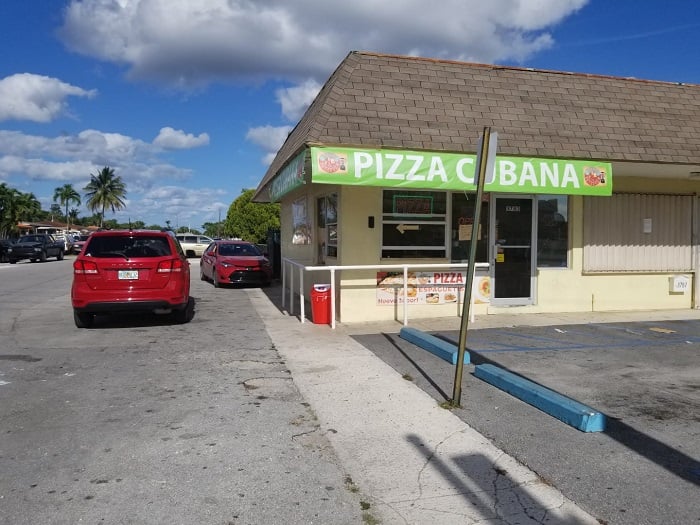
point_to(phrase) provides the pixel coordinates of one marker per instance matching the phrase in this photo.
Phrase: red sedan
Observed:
(235, 262)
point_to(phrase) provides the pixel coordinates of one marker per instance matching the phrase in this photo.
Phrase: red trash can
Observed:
(321, 304)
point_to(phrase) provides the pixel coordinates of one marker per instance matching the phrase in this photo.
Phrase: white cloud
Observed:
(184, 206)
(40, 169)
(190, 43)
(295, 100)
(170, 138)
(51, 162)
(99, 147)
(38, 98)
(187, 45)
(269, 138)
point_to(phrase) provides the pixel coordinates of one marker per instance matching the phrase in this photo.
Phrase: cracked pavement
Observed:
(146, 422)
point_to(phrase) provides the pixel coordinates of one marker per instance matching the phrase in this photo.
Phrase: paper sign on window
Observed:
(465, 232)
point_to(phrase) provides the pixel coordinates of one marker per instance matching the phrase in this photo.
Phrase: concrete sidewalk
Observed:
(416, 462)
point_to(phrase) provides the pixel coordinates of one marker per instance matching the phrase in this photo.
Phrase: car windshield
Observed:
(128, 247)
(233, 250)
(30, 238)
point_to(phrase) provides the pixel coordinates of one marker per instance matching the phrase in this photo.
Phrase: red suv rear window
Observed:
(128, 247)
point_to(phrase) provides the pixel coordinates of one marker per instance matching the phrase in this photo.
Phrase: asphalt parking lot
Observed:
(644, 376)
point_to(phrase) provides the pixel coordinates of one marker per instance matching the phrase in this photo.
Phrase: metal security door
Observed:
(513, 232)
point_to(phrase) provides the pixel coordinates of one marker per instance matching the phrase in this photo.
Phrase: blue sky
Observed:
(188, 100)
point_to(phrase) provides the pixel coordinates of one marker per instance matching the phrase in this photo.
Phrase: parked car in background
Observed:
(122, 271)
(193, 245)
(66, 240)
(234, 262)
(37, 247)
(78, 242)
(4, 246)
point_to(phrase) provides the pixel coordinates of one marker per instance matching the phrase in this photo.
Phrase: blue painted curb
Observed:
(564, 408)
(432, 344)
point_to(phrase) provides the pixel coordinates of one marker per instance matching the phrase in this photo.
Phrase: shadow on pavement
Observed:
(494, 494)
(654, 450)
(425, 375)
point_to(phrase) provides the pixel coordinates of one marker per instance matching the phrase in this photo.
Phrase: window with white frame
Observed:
(327, 223)
(414, 224)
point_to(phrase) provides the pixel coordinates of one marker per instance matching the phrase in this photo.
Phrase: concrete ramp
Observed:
(553, 403)
(432, 344)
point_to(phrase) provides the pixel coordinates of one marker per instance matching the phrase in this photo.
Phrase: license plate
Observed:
(128, 274)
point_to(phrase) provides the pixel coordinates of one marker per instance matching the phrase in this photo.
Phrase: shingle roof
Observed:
(389, 101)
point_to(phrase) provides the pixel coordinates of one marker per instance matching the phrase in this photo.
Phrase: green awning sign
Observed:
(455, 171)
(290, 178)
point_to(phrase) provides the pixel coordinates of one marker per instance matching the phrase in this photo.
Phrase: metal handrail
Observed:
(291, 264)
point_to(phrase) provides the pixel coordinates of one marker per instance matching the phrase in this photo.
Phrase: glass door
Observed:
(513, 230)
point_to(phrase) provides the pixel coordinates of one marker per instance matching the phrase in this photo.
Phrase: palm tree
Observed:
(105, 190)
(5, 207)
(15, 207)
(73, 214)
(27, 206)
(65, 195)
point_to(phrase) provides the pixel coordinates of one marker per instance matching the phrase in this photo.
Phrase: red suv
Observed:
(121, 271)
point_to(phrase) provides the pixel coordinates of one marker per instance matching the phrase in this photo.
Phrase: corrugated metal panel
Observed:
(630, 232)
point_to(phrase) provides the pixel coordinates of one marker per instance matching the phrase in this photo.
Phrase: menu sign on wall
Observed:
(430, 288)
(427, 288)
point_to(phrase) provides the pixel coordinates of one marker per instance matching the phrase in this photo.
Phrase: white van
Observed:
(193, 245)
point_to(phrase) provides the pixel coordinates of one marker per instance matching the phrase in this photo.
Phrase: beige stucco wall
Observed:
(361, 245)
(570, 290)
(557, 290)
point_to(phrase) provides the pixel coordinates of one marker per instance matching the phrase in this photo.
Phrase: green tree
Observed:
(186, 229)
(105, 190)
(16, 207)
(73, 216)
(213, 229)
(5, 198)
(95, 219)
(251, 220)
(66, 195)
(28, 206)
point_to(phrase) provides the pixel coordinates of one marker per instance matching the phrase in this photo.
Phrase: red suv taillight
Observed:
(84, 267)
(170, 266)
